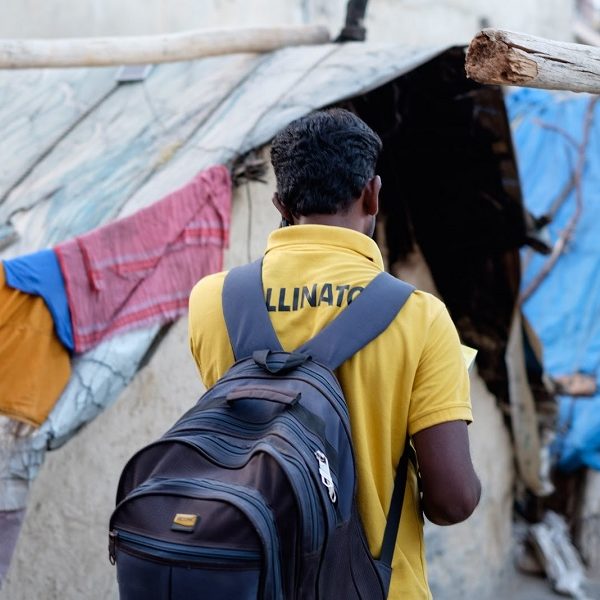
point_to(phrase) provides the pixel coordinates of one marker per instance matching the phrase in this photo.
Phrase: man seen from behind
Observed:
(409, 381)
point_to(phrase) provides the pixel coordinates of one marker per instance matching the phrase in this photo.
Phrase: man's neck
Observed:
(336, 220)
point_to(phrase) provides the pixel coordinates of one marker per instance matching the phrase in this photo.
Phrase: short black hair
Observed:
(323, 161)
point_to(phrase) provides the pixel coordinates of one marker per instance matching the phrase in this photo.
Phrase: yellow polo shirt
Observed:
(410, 377)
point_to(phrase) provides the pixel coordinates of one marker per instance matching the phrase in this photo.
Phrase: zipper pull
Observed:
(326, 475)
(112, 538)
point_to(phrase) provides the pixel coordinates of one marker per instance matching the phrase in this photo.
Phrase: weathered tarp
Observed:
(80, 150)
(548, 130)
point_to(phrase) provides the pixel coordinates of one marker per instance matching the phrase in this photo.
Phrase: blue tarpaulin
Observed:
(548, 131)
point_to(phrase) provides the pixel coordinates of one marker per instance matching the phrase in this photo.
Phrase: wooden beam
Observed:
(508, 58)
(186, 45)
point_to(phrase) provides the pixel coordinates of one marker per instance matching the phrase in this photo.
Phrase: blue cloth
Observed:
(565, 309)
(39, 274)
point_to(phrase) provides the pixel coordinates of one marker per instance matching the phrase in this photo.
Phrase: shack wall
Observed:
(72, 498)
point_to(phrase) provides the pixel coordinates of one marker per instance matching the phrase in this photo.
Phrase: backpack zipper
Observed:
(312, 450)
(228, 446)
(172, 552)
(326, 475)
(258, 428)
(286, 421)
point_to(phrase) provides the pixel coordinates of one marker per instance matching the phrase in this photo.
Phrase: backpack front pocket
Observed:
(153, 569)
(167, 540)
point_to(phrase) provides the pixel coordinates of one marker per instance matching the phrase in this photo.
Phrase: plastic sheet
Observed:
(548, 130)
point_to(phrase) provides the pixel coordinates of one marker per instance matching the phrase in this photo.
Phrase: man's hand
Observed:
(451, 489)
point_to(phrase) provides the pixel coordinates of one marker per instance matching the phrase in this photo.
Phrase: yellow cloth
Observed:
(34, 365)
(411, 375)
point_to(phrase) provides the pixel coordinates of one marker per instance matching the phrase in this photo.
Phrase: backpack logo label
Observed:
(183, 522)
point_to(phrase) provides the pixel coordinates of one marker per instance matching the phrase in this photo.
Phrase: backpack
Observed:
(251, 494)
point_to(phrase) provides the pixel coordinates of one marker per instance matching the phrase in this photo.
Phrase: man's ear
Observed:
(283, 210)
(371, 196)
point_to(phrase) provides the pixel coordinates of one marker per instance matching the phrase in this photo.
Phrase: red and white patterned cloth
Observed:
(140, 270)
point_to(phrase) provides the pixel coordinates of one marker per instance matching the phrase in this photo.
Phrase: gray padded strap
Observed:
(250, 329)
(362, 321)
(245, 311)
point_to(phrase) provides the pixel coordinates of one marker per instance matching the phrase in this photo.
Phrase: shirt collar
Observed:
(326, 235)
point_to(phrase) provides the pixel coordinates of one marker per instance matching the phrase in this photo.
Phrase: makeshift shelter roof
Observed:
(79, 150)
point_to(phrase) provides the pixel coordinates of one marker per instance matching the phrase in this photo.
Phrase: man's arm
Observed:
(451, 489)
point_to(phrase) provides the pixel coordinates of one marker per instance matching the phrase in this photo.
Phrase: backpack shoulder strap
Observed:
(246, 316)
(395, 511)
(249, 326)
(359, 323)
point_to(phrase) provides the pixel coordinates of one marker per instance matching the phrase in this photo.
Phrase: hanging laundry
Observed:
(139, 270)
(133, 274)
(39, 274)
(97, 379)
(34, 365)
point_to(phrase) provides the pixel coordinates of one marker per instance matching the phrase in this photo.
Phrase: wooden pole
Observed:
(186, 45)
(508, 58)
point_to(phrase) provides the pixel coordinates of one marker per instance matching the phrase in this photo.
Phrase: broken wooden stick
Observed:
(508, 58)
(185, 45)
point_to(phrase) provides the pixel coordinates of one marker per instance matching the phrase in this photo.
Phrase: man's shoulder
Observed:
(425, 304)
(207, 291)
(423, 318)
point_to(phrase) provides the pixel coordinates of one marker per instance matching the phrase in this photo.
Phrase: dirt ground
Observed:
(518, 586)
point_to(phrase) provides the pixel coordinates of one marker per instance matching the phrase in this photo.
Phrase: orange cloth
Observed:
(34, 365)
